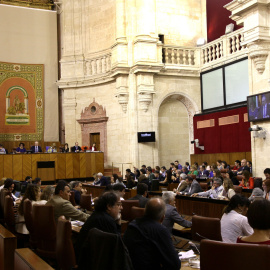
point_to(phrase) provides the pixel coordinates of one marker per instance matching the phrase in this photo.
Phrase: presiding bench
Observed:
(8, 244)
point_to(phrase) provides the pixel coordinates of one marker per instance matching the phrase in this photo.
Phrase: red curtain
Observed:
(223, 139)
(217, 18)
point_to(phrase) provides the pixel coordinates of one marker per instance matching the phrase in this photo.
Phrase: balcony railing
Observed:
(225, 48)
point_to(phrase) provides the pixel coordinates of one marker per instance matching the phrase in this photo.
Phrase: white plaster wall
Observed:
(29, 36)
(173, 132)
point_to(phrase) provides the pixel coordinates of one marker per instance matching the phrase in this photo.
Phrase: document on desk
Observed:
(186, 255)
(77, 223)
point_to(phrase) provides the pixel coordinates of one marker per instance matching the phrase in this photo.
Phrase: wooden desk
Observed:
(67, 165)
(8, 243)
(25, 258)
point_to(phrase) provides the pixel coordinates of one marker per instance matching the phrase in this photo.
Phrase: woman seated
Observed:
(9, 185)
(247, 181)
(219, 165)
(21, 148)
(266, 189)
(258, 216)
(216, 174)
(234, 222)
(237, 165)
(168, 178)
(212, 168)
(193, 170)
(33, 194)
(228, 190)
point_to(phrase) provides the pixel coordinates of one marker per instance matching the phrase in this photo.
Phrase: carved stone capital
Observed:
(258, 52)
(122, 91)
(144, 101)
(123, 101)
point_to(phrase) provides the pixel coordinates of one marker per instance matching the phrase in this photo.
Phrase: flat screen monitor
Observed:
(146, 137)
(259, 107)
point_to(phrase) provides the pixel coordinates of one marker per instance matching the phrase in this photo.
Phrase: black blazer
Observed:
(73, 148)
(33, 149)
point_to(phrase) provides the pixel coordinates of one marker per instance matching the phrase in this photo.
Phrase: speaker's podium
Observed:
(46, 170)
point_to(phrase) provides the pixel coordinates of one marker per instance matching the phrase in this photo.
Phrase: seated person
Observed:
(193, 170)
(234, 222)
(36, 148)
(179, 166)
(171, 214)
(76, 148)
(2, 149)
(237, 165)
(21, 148)
(219, 165)
(256, 193)
(267, 172)
(214, 192)
(149, 243)
(101, 180)
(247, 181)
(168, 178)
(157, 175)
(182, 185)
(162, 173)
(33, 194)
(37, 181)
(228, 191)
(93, 147)
(249, 164)
(27, 180)
(192, 187)
(150, 174)
(106, 217)
(266, 189)
(65, 149)
(225, 165)
(130, 182)
(78, 191)
(185, 169)
(176, 178)
(62, 205)
(52, 149)
(258, 216)
(203, 172)
(9, 185)
(142, 189)
(143, 179)
(243, 167)
(120, 189)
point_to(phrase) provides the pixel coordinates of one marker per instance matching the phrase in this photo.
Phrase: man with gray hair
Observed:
(101, 180)
(214, 192)
(171, 214)
(149, 243)
(182, 185)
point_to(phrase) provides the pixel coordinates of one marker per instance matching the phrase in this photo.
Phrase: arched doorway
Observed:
(175, 129)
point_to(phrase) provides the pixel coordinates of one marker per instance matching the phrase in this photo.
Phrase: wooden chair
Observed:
(64, 248)
(9, 217)
(29, 222)
(223, 256)
(86, 202)
(126, 211)
(224, 170)
(204, 186)
(45, 229)
(238, 190)
(205, 228)
(72, 198)
(3, 193)
(137, 212)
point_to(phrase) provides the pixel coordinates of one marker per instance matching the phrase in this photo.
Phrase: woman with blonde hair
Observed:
(228, 190)
(193, 170)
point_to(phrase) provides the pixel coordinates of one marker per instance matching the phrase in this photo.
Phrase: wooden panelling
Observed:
(35, 158)
(82, 165)
(8, 173)
(212, 158)
(76, 165)
(69, 166)
(17, 167)
(8, 244)
(1, 166)
(61, 166)
(27, 165)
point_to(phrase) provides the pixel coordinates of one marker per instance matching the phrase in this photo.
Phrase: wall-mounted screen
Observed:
(146, 137)
(259, 107)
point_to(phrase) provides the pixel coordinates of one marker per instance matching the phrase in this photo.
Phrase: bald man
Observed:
(149, 242)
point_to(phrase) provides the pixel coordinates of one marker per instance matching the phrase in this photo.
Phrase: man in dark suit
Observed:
(149, 243)
(36, 148)
(76, 148)
(193, 186)
(141, 194)
(243, 167)
(264, 110)
(101, 180)
(171, 214)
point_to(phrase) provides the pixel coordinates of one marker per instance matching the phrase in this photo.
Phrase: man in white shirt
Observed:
(214, 192)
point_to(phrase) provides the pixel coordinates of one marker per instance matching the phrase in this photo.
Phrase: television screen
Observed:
(259, 107)
(146, 137)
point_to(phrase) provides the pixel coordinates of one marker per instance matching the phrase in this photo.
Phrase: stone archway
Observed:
(180, 110)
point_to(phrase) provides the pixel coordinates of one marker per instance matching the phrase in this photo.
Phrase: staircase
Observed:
(108, 171)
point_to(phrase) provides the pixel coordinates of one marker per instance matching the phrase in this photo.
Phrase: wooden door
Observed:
(95, 138)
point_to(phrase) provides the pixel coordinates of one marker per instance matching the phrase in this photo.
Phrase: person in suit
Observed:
(149, 243)
(243, 167)
(101, 180)
(171, 214)
(141, 194)
(203, 172)
(62, 205)
(193, 186)
(76, 148)
(264, 110)
(36, 148)
(182, 185)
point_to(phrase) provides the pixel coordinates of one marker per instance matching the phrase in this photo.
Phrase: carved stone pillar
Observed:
(145, 90)
(258, 53)
(122, 91)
